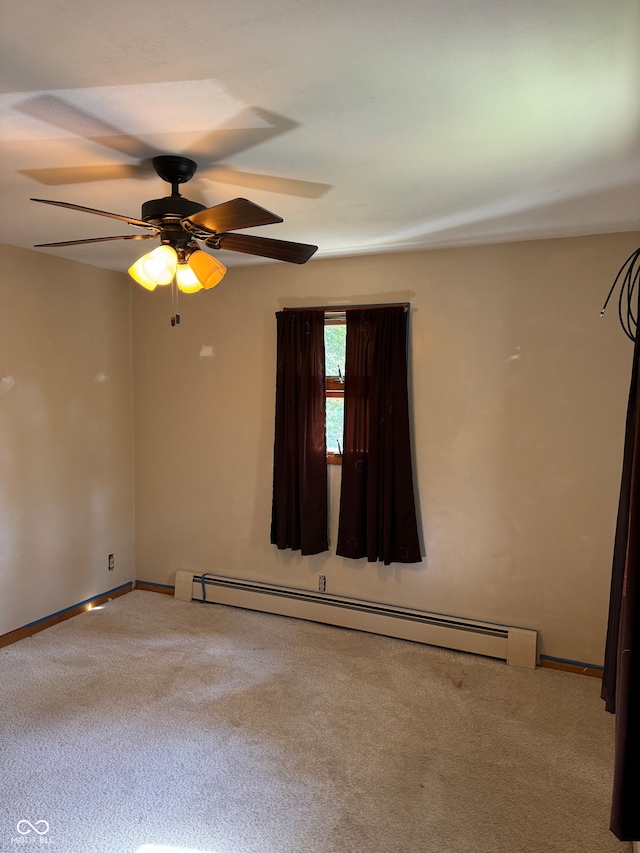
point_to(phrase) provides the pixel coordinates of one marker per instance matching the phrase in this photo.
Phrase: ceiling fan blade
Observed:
(130, 220)
(97, 240)
(279, 250)
(60, 175)
(251, 126)
(269, 183)
(231, 215)
(60, 113)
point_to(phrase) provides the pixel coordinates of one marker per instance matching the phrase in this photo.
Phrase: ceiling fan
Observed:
(181, 224)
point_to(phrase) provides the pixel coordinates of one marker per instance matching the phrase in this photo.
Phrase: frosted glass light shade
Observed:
(186, 279)
(207, 269)
(137, 274)
(156, 267)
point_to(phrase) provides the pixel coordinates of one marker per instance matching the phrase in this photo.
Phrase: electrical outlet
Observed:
(322, 583)
(111, 562)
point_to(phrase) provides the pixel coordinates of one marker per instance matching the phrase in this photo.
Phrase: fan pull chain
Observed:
(175, 317)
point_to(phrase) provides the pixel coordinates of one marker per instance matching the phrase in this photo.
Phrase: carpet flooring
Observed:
(158, 726)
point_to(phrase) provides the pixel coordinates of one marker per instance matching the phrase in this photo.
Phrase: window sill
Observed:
(334, 459)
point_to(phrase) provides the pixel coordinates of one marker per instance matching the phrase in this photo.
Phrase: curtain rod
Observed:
(339, 309)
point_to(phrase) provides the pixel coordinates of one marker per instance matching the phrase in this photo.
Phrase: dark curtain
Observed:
(377, 508)
(299, 509)
(621, 677)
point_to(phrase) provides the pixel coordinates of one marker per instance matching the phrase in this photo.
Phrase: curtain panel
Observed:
(377, 506)
(299, 509)
(621, 677)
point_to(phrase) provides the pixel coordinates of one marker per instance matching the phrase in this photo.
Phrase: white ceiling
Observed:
(369, 125)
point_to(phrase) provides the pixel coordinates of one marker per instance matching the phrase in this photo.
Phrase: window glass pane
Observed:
(335, 423)
(335, 339)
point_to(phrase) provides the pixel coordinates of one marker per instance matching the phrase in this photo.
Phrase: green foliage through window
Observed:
(335, 424)
(335, 342)
(335, 339)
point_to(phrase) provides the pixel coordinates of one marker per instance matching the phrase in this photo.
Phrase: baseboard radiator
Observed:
(517, 646)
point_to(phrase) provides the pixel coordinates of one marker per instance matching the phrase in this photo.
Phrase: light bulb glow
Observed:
(160, 264)
(156, 267)
(207, 269)
(186, 279)
(137, 274)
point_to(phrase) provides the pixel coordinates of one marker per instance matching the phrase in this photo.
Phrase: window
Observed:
(335, 341)
(377, 517)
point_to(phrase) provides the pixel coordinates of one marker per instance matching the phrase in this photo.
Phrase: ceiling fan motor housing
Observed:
(170, 207)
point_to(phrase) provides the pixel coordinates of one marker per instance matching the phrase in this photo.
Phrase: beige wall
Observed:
(519, 397)
(66, 434)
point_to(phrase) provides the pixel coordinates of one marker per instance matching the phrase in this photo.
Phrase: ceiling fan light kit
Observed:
(186, 279)
(192, 270)
(181, 224)
(156, 267)
(206, 269)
